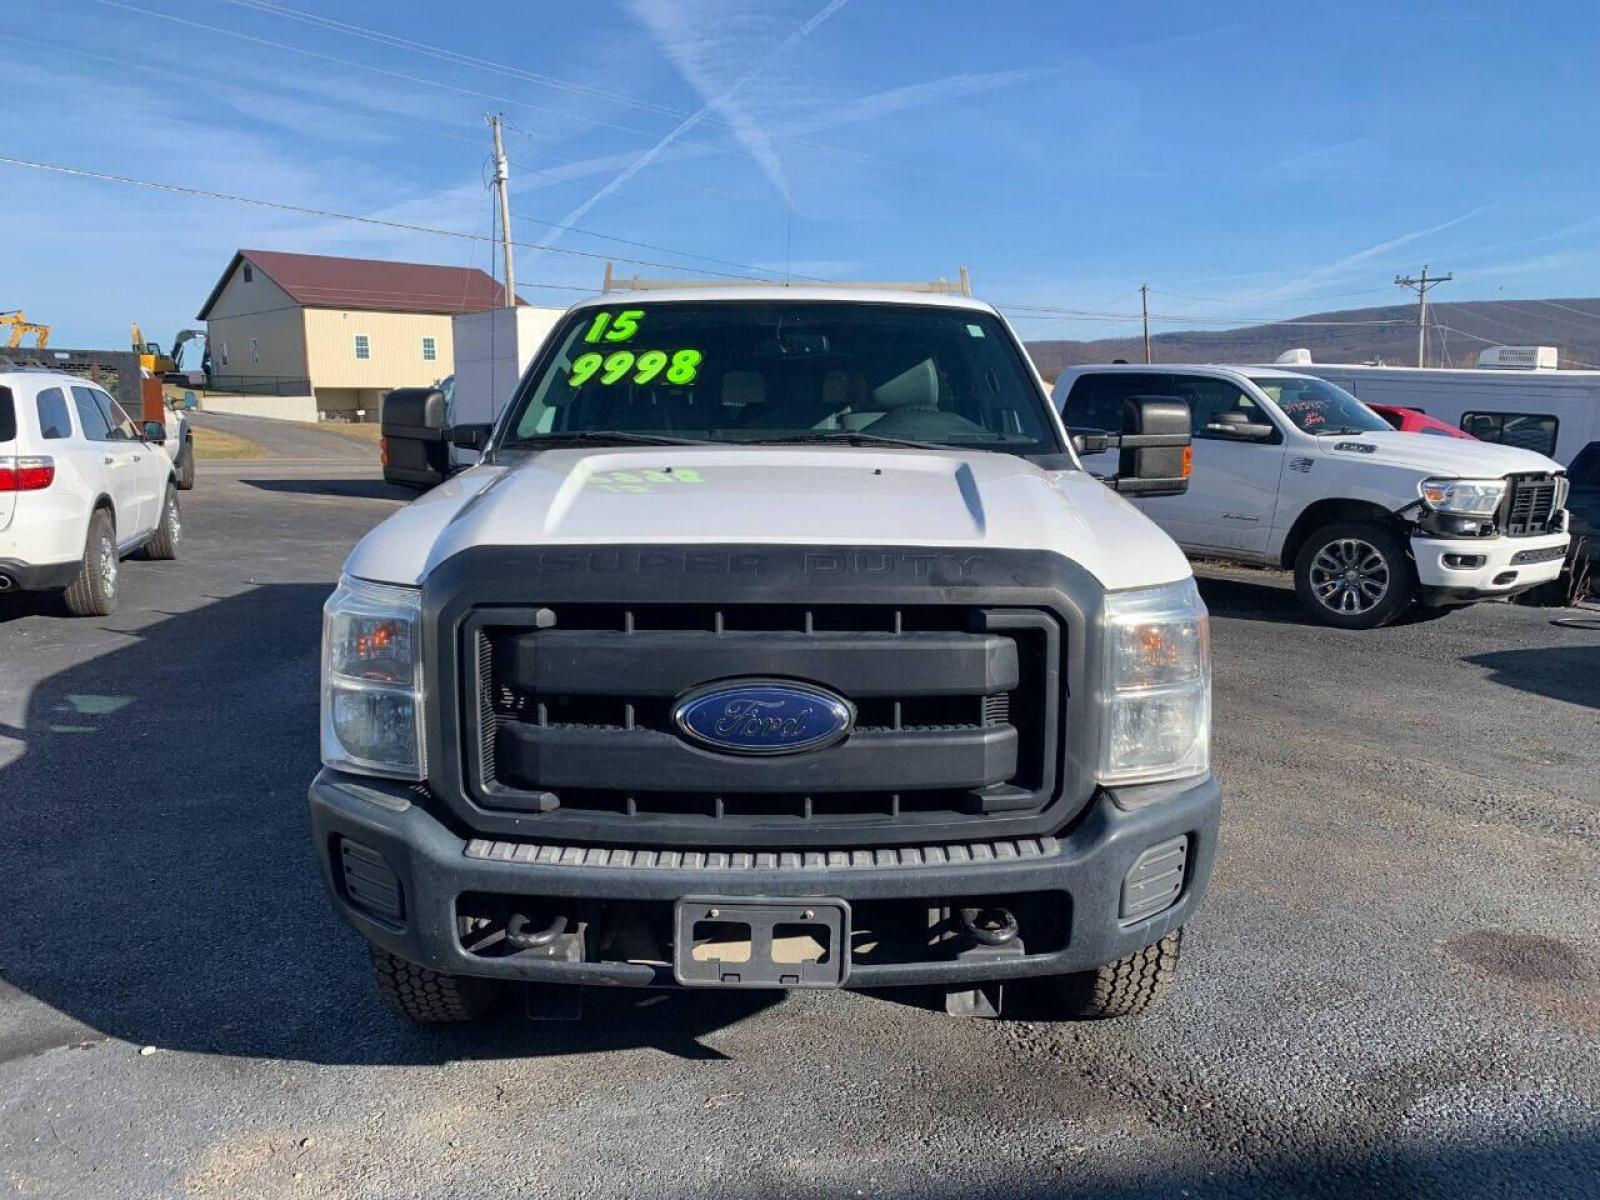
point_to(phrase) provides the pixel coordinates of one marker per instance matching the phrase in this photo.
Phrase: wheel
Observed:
(1122, 988)
(428, 997)
(185, 465)
(1354, 575)
(93, 590)
(164, 545)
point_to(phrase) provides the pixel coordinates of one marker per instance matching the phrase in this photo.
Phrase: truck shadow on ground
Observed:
(1246, 600)
(1570, 673)
(357, 489)
(158, 879)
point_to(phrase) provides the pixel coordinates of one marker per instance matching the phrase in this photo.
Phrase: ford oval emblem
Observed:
(762, 716)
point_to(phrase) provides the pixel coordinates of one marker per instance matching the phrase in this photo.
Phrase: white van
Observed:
(1291, 471)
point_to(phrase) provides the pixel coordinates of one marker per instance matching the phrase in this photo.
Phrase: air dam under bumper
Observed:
(1088, 866)
(1492, 559)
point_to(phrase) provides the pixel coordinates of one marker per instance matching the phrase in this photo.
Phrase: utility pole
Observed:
(1144, 310)
(501, 176)
(1421, 286)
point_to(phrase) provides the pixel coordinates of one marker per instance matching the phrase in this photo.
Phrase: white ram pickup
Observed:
(778, 640)
(1290, 470)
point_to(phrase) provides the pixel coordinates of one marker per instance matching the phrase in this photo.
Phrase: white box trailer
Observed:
(492, 349)
(1556, 413)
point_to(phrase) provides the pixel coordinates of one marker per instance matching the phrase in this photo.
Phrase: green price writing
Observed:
(681, 368)
(619, 328)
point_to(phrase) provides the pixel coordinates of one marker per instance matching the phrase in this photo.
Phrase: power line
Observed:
(1568, 308)
(405, 226)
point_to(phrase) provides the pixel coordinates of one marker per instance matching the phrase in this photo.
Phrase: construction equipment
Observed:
(20, 326)
(162, 365)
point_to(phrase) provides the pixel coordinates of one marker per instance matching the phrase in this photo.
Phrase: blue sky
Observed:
(1246, 160)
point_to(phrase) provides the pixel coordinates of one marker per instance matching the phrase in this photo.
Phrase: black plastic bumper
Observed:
(30, 577)
(1087, 866)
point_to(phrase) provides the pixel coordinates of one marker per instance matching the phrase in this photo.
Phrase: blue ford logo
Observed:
(764, 717)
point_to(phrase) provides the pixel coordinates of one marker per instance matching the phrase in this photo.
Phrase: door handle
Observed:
(138, 458)
(109, 460)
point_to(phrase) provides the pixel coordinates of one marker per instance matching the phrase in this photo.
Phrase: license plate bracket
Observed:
(761, 943)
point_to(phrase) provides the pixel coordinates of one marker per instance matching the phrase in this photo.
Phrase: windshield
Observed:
(1316, 406)
(764, 371)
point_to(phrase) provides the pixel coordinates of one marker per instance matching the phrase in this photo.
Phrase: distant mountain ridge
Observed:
(1572, 326)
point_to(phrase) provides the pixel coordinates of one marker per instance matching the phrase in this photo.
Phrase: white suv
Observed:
(80, 486)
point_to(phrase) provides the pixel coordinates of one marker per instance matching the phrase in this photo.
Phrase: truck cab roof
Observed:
(765, 292)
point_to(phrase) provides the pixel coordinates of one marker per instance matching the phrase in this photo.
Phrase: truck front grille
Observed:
(1531, 504)
(569, 714)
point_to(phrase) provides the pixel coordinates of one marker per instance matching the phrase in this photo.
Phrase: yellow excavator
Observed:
(20, 326)
(161, 365)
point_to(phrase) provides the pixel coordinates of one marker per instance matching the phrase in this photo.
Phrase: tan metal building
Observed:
(345, 330)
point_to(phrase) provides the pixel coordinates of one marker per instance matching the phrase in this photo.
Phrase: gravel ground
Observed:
(1391, 989)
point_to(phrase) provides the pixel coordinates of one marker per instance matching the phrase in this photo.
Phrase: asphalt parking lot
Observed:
(1393, 988)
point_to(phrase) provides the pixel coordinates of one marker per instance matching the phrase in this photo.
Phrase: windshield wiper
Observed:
(593, 437)
(1341, 429)
(842, 438)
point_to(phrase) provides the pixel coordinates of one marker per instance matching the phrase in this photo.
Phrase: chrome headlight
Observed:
(1156, 704)
(372, 684)
(1463, 497)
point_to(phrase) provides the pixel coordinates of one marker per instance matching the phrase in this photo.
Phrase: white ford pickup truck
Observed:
(1290, 470)
(777, 640)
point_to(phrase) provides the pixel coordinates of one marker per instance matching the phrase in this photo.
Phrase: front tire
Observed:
(185, 466)
(93, 590)
(164, 544)
(1354, 575)
(430, 997)
(1123, 988)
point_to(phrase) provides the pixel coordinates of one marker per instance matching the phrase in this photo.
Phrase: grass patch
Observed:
(213, 443)
(366, 431)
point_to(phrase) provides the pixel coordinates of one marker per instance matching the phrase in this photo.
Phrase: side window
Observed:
(122, 427)
(1095, 401)
(54, 422)
(8, 415)
(363, 346)
(91, 419)
(1526, 431)
(430, 349)
(1216, 402)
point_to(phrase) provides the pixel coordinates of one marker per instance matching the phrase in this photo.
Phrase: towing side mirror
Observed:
(1241, 431)
(1155, 443)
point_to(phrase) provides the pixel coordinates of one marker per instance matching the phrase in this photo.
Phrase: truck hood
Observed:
(1451, 458)
(773, 495)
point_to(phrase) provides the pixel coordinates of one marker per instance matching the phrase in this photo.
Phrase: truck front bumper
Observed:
(1461, 570)
(419, 869)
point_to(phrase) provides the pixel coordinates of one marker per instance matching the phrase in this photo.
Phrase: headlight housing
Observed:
(1463, 497)
(372, 682)
(1156, 704)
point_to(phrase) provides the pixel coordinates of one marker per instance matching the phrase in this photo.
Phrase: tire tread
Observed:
(1126, 987)
(429, 997)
